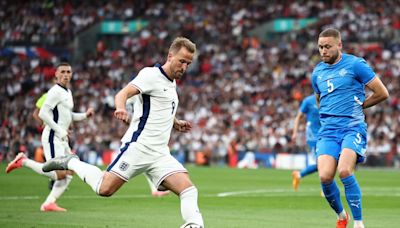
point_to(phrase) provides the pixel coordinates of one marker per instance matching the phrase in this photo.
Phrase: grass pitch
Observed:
(227, 198)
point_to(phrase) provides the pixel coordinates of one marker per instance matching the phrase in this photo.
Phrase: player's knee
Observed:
(325, 178)
(106, 191)
(108, 185)
(61, 174)
(192, 190)
(344, 172)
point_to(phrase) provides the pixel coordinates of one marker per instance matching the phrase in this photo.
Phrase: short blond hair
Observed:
(180, 42)
(331, 32)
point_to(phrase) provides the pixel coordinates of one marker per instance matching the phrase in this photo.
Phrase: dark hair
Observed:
(63, 64)
(331, 32)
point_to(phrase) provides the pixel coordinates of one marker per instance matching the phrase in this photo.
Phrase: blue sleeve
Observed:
(304, 106)
(314, 82)
(363, 71)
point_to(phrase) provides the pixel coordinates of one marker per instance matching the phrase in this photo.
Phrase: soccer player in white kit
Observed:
(145, 143)
(56, 112)
(154, 191)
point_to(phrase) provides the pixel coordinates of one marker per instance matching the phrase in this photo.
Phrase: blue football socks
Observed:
(332, 195)
(308, 170)
(353, 196)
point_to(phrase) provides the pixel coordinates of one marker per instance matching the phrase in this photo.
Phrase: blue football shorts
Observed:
(332, 142)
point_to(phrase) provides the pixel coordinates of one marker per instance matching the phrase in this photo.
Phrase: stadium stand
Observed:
(241, 90)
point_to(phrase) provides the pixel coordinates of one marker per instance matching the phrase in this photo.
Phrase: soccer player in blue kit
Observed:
(309, 110)
(339, 82)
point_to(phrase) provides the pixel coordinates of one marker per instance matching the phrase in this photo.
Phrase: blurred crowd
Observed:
(241, 93)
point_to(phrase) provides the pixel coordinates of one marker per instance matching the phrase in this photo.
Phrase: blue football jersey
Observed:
(341, 90)
(310, 109)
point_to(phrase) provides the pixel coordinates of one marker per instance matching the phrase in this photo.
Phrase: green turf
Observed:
(228, 198)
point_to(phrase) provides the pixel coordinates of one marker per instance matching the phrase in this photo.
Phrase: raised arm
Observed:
(120, 101)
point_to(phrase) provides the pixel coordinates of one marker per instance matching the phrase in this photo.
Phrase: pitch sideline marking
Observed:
(244, 193)
(225, 194)
(309, 192)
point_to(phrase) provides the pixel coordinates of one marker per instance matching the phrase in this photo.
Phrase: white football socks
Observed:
(189, 208)
(90, 174)
(342, 215)
(358, 224)
(37, 167)
(58, 189)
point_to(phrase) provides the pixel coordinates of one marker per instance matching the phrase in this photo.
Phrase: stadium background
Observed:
(241, 93)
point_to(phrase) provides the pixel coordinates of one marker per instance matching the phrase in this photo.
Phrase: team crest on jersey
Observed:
(342, 72)
(123, 166)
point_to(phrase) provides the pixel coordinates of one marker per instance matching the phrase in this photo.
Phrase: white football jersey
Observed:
(59, 100)
(154, 110)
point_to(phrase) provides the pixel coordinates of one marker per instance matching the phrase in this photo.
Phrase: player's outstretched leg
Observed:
(16, 163)
(58, 189)
(308, 170)
(89, 174)
(295, 180)
(51, 184)
(21, 160)
(47, 207)
(58, 163)
(297, 176)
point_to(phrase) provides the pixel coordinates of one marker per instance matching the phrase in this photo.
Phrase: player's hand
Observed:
(89, 112)
(182, 125)
(128, 120)
(62, 134)
(121, 114)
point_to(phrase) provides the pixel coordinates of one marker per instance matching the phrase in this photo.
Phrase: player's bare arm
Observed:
(81, 116)
(379, 94)
(36, 117)
(297, 120)
(120, 101)
(182, 125)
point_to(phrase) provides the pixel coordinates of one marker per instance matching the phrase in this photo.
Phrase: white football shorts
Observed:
(137, 159)
(57, 148)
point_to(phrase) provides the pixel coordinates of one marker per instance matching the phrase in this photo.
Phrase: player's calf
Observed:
(109, 184)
